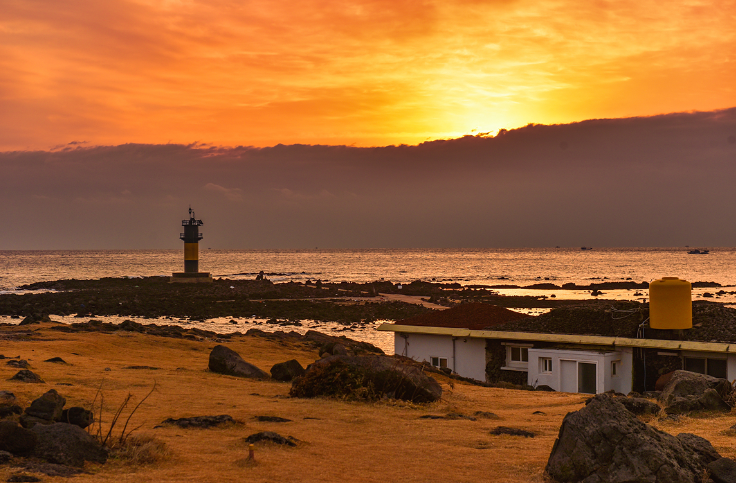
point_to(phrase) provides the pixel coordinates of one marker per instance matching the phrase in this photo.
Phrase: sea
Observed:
(468, 267)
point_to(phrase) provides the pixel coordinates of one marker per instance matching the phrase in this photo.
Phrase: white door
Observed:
(568, 376)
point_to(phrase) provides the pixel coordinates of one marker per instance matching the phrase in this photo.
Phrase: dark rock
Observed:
(7, 398)
(639, 406)
(21, 364)
(49, 406)
(6, 411)
(431, 416)
(368, 377)
(459, 416)
(16, 439)
(5, 456)
(200, 422)
(29, 320)
(723, 470)
(512, 432)
(78, 416)
(710, 400)
(540, 413)
(271, 437)
(272, 419)
(287, 371)
(604, 442)
(688, 391)
(67, 444)
(57, 360)
(25, 375)
(485, 415)
(685, 383)
(226, 361)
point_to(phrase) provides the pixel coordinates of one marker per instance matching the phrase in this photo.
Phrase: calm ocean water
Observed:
(520, 266)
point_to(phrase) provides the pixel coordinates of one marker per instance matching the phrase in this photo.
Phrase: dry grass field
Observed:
(339, 441)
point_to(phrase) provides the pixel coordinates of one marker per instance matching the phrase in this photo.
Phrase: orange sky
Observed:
(371, 72)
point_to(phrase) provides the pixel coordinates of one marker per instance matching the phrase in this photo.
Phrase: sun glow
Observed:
(364, 73)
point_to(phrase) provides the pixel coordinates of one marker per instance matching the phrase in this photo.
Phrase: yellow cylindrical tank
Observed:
(670, 304)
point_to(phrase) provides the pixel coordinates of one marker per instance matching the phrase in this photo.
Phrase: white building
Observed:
(564, 362)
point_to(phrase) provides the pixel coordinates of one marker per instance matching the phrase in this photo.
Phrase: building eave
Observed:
(686, 345)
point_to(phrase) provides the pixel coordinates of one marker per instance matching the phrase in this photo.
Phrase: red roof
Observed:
(473, 316)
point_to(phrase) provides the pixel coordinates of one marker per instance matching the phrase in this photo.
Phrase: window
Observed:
(614, 367)
(519, 354)
(702, 365)
(517, 357)
(440, 362)
(545, 365)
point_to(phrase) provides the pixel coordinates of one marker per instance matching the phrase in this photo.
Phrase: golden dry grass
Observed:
(340, 441)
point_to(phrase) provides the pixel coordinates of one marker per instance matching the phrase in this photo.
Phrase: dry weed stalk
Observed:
(124, 434)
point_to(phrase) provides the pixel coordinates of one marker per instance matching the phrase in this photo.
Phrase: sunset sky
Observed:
(364, 73)
(372, 123)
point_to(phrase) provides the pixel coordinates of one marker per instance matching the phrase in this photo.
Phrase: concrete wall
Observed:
(469, 354)
(559, 381)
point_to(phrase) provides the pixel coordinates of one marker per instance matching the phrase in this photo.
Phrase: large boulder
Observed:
(604, 442)
(78, 416)
(24, 375)
(366, 377)
(287, 371)
(67, 444)
(49, 406)
(689, 391)
(723, 470)
(226, 361)
(16, 439)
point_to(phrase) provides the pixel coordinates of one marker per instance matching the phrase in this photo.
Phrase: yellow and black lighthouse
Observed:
(191, 237)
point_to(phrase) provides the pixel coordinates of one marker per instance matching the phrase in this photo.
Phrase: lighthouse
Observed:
(191, 237)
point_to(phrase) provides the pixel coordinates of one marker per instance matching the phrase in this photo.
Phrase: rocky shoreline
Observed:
(349, 303)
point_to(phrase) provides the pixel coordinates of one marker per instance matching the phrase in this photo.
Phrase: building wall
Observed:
(469, 358)
(564, 374)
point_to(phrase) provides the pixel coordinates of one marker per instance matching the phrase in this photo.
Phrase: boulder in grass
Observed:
(25, 375)
(367, 377)
(78, 416)
(686, 383)
(287, 371)
(226, 361)
(604, 442)
(687, 392)
(271, 437)
(67, 444)
(723, 470)
(16, 439)
(49, 406)
(200, 422)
